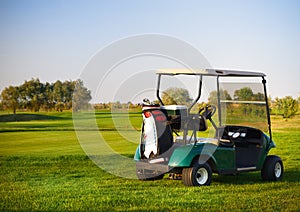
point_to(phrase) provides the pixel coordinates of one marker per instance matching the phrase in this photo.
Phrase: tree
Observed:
(34, 95)
(48, 102)
(287, 106)
(243, 94)
(31, 94)
(57, 95)
(81, 96)
(68, 89)
(177, 96)
(38, 95)
(213, 97)
(10, 98)
(258, 97)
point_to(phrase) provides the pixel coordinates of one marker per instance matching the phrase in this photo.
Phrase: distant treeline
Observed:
(34, 96)
(115, 105)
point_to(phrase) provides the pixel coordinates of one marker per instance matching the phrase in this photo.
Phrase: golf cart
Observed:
(229, 134)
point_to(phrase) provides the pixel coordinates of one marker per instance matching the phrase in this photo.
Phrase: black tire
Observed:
(197, 175)
(272, 169)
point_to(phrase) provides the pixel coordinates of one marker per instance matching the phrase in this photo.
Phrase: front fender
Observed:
(270, 143)
(137, 155)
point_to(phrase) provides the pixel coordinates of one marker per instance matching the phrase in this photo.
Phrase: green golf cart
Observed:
(226, 129)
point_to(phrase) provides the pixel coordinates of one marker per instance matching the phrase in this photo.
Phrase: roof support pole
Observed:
(157, 89)
(198, 96)
(267, 106)
(219, 102)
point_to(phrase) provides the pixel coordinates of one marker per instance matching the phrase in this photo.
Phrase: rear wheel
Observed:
(272, 169)
(197, 175)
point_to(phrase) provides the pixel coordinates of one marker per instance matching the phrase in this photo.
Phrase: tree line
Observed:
(286, 106)
(34, 96)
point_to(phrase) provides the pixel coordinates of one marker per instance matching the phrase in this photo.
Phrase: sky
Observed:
(55, 40)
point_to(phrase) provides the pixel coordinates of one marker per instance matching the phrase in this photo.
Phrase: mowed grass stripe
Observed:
(39, 143)
(64, 121)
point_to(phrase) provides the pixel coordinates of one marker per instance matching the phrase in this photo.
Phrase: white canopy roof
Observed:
(210, 72)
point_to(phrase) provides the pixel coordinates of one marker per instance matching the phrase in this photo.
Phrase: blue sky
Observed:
(53, 40)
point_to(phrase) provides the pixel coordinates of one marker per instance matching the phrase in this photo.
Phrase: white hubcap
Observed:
(277, 170)
(202, 176)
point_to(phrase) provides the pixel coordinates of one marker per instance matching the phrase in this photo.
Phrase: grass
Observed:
(43, 168)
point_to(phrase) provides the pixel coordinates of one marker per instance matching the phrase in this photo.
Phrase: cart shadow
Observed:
(254, 178)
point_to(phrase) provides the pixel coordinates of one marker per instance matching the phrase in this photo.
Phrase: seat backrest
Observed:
(197, 122)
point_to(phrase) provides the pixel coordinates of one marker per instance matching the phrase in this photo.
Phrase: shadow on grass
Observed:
(27, 117)
(254, 177)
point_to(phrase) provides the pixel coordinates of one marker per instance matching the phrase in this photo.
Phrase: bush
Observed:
(286, 106)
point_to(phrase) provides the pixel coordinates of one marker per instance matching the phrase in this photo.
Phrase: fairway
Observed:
(44, 168)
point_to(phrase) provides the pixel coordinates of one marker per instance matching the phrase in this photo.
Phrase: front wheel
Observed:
(272, 169)
(197, 175)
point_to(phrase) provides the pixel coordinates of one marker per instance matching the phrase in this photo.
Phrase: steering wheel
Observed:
(208, 111)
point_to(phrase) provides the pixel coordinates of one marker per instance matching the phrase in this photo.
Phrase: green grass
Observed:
(44, 168)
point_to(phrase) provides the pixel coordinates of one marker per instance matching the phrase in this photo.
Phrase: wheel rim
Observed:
(202, 176)
(277, 170)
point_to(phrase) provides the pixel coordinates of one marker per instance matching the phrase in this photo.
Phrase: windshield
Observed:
(242, 99)
(243, 102)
